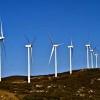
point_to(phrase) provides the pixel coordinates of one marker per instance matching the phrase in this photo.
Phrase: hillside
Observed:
(81, 85)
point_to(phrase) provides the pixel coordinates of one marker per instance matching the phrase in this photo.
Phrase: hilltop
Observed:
(81, 85)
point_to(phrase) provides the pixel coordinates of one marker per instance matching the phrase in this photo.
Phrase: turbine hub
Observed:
(55, 45)
(28, 46)
(96, 54)
(91, 50)
(88, 45)
(70, 46)
(1, 38)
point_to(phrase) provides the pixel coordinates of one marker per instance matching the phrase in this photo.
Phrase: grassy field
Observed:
(81, 85)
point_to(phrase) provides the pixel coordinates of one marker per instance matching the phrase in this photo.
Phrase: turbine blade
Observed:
(72, 51)
(98, 58)
(94, 48)
(98, 53)
(31, 56)
(71, 42)
(27, 39)
(60, 44)
(90, 47)
(51, 55)
(4, 49)
(34, 40)
(50, 39)
(1, 30)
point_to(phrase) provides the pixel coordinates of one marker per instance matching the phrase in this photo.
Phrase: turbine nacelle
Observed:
(91, 50)
(55, 45)
(70, 46)
(88, 45)
(96, 54)
(28, 46)
(2, 38)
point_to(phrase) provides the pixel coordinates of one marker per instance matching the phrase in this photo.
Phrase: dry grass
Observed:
(4, 95)
(81, 85)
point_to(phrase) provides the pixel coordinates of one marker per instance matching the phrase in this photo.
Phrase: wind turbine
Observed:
(29, 46)
(92, 52)
(54, 49)
(87, 49)
(96, 58)
(71, 53)
(1, 41)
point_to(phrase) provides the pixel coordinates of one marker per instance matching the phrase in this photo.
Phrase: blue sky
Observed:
(63, 19)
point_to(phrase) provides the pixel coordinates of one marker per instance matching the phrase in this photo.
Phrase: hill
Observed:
(81, 85)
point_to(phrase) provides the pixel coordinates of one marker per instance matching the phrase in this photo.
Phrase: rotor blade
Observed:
(94, 48)
(51, 55)
(50, 39)
(89, 42)
(90, 47)
(98, 57)
(72, 51)
(60, 44)
(31, 56)
(1, 30)
(27, 39)
(34, 40)
(98, 52)
(71, 42)
(4, 49)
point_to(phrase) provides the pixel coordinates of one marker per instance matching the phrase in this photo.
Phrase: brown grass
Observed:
(4, 95)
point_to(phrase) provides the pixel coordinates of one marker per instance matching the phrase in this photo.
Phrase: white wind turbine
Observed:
(71, 54)
(96, 59)
(29, 46)
(54, 49)
(92, 60)
(87, 51)
(1, 41)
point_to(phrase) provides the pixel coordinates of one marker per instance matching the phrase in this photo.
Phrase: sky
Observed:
(63, 19)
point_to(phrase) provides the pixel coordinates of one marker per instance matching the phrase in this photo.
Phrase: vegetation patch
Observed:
(4, 95)
(83, 84)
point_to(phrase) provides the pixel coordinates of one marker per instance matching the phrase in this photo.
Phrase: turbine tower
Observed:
(1, 41)
(96, 58)
(71, 54)
(91, 50)
(54, 49)
(87, 49)
(29, 46)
